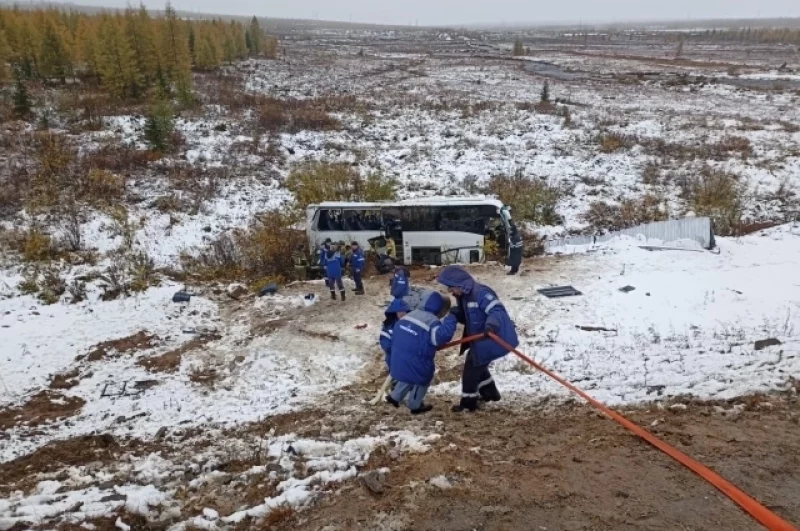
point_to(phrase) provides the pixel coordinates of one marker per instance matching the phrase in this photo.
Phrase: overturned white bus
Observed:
(434, 231)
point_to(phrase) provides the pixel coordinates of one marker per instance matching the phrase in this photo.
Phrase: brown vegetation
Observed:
(171, 361)
(627, 213)
(126, 345)
(43, 407)
(530, 199)
(317, 182)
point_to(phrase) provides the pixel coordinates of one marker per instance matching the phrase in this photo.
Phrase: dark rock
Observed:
(181, 296)
(374, 482)
(764, 343)
(161, 433)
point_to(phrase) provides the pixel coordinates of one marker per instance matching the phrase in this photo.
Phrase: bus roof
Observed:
(422, 201)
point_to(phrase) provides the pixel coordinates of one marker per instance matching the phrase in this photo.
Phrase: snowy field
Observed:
(193, 387)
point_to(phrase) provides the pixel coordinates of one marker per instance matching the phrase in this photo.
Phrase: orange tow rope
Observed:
(767, 518)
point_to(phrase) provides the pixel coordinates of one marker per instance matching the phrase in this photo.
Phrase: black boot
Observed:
(360, 292)
(466, 404)
(392, 401)
(344, 295)
(333, 295)
(424, 408)
(490, 393)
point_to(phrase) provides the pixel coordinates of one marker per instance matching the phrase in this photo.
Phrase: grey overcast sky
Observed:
(456, 12)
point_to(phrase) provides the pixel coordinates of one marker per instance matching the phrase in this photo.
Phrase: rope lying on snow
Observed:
(764, 516)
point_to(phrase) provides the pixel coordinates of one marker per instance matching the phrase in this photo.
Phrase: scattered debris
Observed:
(627, 289)
(330, 336)
(441, 482)
(595, 329)
(664, 248)
(112, 389)
(269, 289)
(764, 343)
(361, 326)
(236, 291)
(181, 296)
(559, 291)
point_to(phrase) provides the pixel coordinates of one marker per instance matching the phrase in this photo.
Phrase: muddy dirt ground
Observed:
(568, 468)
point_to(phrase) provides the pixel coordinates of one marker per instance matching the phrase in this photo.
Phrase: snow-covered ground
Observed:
(688, 328)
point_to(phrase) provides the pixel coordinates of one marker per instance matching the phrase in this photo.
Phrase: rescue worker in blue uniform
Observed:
(334, 264)
(357, 262)
(399, 282)
(396, 311)
(515, 249)
(481, 312)
(415, 340)
(322, 251)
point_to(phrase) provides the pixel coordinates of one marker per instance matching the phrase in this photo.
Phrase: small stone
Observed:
(161, 433)
(374, 482)
(495, 509)
(210, 514)
(236, 291)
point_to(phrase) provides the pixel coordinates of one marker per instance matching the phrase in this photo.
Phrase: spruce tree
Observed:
(116, 61)
(54, 62)
(175, 53)
(256, 38)
(22, 101)
(545, 97)
(141, 41)
(158, 127)
(5, 56)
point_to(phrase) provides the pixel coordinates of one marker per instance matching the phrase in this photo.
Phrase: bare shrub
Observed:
(629, 212)
(142, 271)
(130, 271)
(103, 188)
(316, 182)
(77, 291)
(199, 185)
(118, 158)
(651, 175)
(262, 250)
(55, 170)
(613, 142)
(46, 283)
(114, 280)
(731, 144)
(299, 115)
(71, 237)
(719, 195)
(532, 200)
(37, 246)
(121, 226)
(722, 150)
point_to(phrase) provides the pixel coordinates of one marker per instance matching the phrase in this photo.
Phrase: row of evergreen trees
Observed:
(129, 53)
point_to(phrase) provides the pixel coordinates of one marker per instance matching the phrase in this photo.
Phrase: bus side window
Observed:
(324, 223)
(420, 219)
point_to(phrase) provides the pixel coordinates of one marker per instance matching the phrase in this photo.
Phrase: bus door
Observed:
(393, 230)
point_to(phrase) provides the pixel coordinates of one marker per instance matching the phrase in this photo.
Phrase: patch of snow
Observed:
(441, 482)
